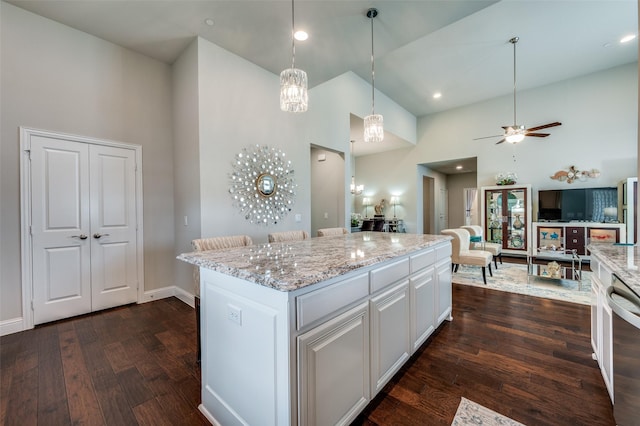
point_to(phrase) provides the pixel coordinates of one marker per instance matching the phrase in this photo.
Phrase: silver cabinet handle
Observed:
(98, 235)
(81, 236)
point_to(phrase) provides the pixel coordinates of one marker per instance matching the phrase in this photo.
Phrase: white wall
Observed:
(57, 78)
(599, 114)
(186, 161)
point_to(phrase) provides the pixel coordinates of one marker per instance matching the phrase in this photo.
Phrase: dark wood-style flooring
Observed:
(525, 357)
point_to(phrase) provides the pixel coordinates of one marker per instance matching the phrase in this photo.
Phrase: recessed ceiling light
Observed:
(458, 167)
(627, 38)
(209, 22)
(437, 95)
(300, 35)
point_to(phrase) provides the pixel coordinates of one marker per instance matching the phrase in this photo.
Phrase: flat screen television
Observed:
(582, 204)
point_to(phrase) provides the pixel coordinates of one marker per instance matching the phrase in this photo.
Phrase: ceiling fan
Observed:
(517, 132)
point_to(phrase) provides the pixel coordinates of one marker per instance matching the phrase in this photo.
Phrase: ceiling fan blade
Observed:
(500, 141)
(544, 126)
(488, 137)
(538, 135)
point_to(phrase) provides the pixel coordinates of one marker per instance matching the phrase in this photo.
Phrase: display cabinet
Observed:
(506, 216)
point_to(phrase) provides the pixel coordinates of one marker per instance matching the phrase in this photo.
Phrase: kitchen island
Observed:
(607, 260)
(308, 332)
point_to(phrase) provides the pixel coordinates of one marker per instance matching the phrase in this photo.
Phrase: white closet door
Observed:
(84, 237)
(114, 280)
(61, 246)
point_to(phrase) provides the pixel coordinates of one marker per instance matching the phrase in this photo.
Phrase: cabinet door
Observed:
(333, 369)
(443, 291)
(423, 310)
(595, 326)
(606, 342)
(390, 342)
(507, 217)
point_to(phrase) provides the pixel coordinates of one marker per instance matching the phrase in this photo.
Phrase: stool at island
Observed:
(284, 236)
(325, 232)
(461, 255)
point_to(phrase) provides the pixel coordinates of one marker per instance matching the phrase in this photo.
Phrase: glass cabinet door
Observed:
(506, 219)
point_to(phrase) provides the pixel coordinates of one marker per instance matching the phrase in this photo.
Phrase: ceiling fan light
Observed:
(515, 137)
(373, 128)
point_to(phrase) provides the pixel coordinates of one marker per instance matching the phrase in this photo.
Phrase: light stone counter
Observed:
(624, 261)
(296, 264)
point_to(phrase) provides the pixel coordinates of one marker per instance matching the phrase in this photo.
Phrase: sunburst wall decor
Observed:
(262, 184)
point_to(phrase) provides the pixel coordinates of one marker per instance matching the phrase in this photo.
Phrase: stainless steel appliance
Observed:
(625, 306)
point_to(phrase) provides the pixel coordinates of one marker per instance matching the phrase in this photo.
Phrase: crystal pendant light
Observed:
(373, 124)
(293, 81)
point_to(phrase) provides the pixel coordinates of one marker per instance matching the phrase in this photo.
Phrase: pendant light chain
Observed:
(293, 38)
(515, 120)
(373, 70)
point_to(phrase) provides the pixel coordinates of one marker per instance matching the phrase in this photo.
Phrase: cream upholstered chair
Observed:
(280, 237)
(494, 248)
(461, 255)
(213, 243)
(325, 232)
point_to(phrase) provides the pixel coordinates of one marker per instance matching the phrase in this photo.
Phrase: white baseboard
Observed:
(15, 325)
(185, 296)
(157, 294)
(11, 326)
(162, 293)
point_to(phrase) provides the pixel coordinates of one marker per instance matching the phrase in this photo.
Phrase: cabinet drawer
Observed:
(386, 275)
(320, 303)
(422, 260)
(443, 251)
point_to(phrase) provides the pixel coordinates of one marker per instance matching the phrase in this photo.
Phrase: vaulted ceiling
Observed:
(458, 48)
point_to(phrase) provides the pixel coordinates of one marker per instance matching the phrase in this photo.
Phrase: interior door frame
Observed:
(25, 211)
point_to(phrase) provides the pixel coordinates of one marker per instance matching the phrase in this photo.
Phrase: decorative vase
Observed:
(517, 224)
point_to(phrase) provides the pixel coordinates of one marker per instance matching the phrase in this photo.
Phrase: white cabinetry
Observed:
(423, 310)
(390, 346)
(443, 290)
(601, 332)
(335, 352)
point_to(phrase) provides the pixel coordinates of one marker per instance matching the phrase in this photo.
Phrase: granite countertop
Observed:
(295, 264)
(624, 261)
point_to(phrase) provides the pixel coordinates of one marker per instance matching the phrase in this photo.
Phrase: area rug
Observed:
(470, 413)
(513, 278)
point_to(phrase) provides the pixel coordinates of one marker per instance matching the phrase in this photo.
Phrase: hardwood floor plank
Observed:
(134, 386)
(84, 408)
(22, 402)
(150, 413)
(52, 395)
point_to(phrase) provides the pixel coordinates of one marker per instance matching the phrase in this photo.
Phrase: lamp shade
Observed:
(293, 90)
(373, 128)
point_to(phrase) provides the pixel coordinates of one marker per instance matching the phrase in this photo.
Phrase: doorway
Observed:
(428, 205)
(327, 187)
(82, 225)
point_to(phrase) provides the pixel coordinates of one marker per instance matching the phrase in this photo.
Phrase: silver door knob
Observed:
(98, 235)
(81, 236)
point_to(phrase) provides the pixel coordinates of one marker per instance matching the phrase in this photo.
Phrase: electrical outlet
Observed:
(234, 314)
